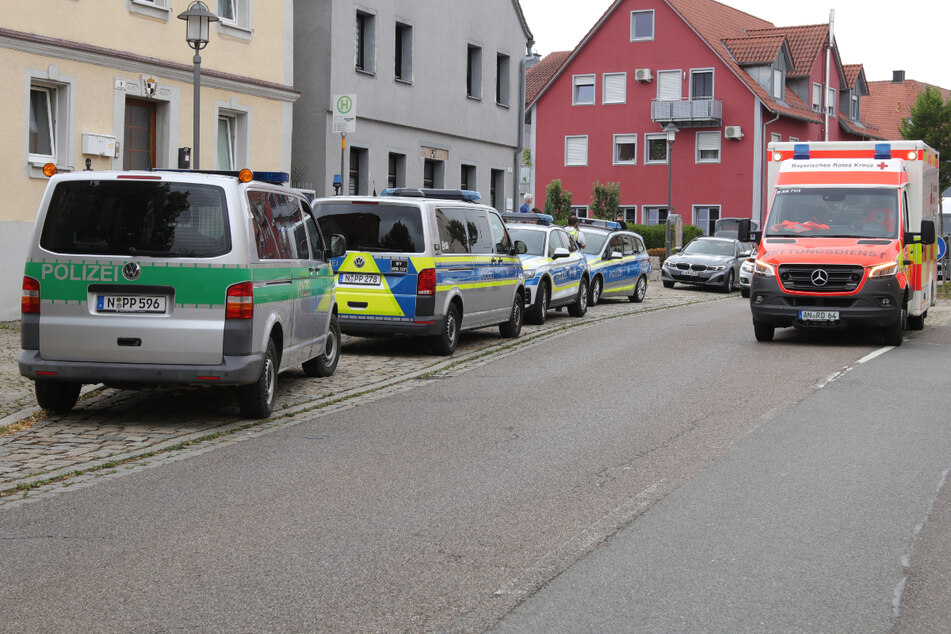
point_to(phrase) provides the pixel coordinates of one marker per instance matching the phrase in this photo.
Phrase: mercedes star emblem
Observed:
(820, 277)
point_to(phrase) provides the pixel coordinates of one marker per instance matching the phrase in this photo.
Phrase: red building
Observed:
(727, 81)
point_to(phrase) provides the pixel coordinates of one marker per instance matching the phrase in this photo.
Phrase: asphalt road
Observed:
(447, 503)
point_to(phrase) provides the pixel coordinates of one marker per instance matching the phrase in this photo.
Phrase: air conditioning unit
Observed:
(643, 74)
(733, 132)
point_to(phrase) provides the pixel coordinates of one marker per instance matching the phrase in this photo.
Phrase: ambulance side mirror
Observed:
(743, 233)
(926, 235)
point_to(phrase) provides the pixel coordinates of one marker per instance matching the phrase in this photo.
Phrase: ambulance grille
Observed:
(820, 279)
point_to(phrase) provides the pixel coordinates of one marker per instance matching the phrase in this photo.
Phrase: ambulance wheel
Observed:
(745, 292)
(640, 290)
(445, 343)
(536, 314)
(257, 399)
(916, 322)
(594, 295)
(895, 334)
(326, 362)
(513, 327)
(56, 396)
(668, 284)
(763, 331)
(580, 307)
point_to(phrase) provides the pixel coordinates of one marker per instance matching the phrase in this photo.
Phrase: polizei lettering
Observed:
(81, 272)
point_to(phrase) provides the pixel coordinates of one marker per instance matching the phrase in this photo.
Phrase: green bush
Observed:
(605, 200)
(654, 234)
(557, 201)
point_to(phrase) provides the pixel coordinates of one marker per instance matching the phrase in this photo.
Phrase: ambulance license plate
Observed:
(368, 279)
(819, 315)
(130, 303)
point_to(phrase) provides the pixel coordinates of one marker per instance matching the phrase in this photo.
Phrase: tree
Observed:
(605, 200)
(930, 121)
(557, 201)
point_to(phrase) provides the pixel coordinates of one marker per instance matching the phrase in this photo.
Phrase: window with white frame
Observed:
(226, 10)
(830, 102)
(152, 8)
(234, 17)
(669, 85)
(582, 92)
(793, 139)
(778, 87)
(625, 149)
(49, 114)
(654, 215)
(816, 97)
(655, 148)
(708, 147)
(615, 88)
(705, 217)
(630, 213)
(642, 26)
(576, 150)
(231, 144)
(365, 42)
(225, 159)
(775, 137)
(701, 84)
(42, 143)
(855, 111)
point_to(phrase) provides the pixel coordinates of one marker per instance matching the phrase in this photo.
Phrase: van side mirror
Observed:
(926, 235)
(338, 246)
(744, 233)
(519, 249)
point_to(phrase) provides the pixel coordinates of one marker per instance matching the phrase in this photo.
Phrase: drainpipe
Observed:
(828, 78)
(526, 62)
(764, 198)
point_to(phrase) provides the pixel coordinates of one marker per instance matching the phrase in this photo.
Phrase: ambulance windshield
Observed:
(834, 213)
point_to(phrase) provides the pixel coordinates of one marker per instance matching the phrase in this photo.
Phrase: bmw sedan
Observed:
(706, 261)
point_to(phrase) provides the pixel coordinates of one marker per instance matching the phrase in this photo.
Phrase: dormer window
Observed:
(855, 110)
(779, 88)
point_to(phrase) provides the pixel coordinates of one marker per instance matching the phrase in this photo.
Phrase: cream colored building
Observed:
(110, 84)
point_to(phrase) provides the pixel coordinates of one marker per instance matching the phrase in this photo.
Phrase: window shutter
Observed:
(708, 141)
(615, 88)
(576, 150)
(669, 86)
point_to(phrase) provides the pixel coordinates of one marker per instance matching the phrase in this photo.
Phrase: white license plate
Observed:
(130, 303)
(370, 279)
(692, 273)
(819, 315)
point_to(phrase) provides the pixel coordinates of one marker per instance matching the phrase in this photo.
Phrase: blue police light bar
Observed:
(528, 219)
(275, 178)
(883, 150)
(801, 151)
(467, 195)
(610, 225)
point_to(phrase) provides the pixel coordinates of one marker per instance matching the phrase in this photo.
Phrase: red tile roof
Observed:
(805, 45)
(888, 103)
(538, 76)
(755, 50)
(852, 72)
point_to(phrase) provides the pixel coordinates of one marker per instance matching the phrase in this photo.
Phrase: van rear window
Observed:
(373, 227)
(146, 218)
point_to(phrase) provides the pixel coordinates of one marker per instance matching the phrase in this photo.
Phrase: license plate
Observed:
(819, 315)
(691, 273)
(130, 303)
(369, 279)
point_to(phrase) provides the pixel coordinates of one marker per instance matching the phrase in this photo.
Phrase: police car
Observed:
(620, 266)
(556, 270)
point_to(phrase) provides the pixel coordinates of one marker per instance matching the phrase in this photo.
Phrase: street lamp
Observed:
(197, 19)
(671, 131)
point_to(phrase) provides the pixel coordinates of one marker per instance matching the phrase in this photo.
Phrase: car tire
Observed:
(325, 363)
(445, 343)
(763, 331)
(895, 334)
(539, 310)
(597, 287)
(745, 292)
(916, 322)
(513, 327)
(56, 396)
(257, 399)
(668, 284)
(728, 282)
(640, 290)
(580, 307)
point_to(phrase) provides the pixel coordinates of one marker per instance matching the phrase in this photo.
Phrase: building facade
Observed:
(728, 82)
(436, 89)
(111, 85)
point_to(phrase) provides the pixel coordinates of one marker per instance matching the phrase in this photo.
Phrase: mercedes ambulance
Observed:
(849, 239)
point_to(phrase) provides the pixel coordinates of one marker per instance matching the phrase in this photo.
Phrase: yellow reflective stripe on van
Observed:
(464, 285)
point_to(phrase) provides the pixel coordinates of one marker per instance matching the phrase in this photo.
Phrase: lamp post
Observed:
(671, 131)
(197, 19)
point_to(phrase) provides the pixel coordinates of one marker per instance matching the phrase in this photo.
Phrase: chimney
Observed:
(898, 76)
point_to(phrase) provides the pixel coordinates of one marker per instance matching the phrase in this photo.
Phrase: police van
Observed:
(168, 277)
(424, 262)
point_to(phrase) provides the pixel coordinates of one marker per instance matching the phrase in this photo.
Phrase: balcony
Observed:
(687, 113)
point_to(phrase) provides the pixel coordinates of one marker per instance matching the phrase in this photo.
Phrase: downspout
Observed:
(828, 63)
(530, 59)
(763, 195)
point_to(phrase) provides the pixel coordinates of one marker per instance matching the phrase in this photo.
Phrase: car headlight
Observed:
(716, 268)
(747, 267)
(763, 268)
(669, 264)
(884, 270)
(529, 273)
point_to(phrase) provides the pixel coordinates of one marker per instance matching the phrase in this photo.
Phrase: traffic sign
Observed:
(345, 113)
(942, 247)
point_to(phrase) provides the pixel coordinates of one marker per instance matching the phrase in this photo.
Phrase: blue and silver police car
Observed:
(618, 260)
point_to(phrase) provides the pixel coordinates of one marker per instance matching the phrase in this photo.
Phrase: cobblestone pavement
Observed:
(110, 427)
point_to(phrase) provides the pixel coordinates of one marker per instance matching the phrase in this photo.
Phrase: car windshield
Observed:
(709, 247)
(834, 212)
(373, 226)
(534, 239)
(595, 240)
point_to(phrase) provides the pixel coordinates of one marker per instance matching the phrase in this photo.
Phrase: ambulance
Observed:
(849, 238)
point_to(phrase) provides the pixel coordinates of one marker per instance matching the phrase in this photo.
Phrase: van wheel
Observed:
(580, 307)
(597, 286)
(745, 292)
(445, 343)
(538, 311)
(257, 399)
(895, 334)
(56, 396)
(763, 331)
(640, 290)
(325, 363)
(916, 322)
(513, 327)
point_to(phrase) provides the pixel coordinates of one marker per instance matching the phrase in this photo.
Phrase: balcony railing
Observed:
(688, 112)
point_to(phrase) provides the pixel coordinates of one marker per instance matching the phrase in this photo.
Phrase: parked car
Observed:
(556, 271)
(707, 261)
(171, 277)
(620, 266)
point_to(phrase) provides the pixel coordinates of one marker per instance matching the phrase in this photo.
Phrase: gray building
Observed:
(438, 95)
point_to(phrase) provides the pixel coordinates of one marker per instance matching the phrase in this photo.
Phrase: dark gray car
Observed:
(706, 261)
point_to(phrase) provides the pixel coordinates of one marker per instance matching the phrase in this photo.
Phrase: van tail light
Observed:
(240, 301)
(426, 282)
(30, 300)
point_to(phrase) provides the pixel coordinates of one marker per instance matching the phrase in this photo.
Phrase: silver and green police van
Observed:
(164, 277)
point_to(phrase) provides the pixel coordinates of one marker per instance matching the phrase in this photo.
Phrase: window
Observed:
(225, 159)
(474, 72)
(642, 26)
(580, 211)
(655, 215)
(49, 112)
(502, 79)
(630, 213)
(778, 87)
(705, 217)
(497, 189)
(830, 102)
(403, 55)
(701, 84)
(582, 93)
(396, 170)
(655, 148)
(615, 88)
(433, 173)
(358, 170)
(234, 18)
(152, 8)
(42, 137)
(463, 231)
(467, 177)
(669, 85)
(855, 111)
(226, 10)
(576, 150)
(504, 242)
(233, 135)
(708, 147)
(817, 97)
(365, 41)
(775, 137)
(625, 149)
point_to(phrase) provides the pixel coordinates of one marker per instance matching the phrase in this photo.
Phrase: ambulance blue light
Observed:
(883, 150)
(801, 151)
